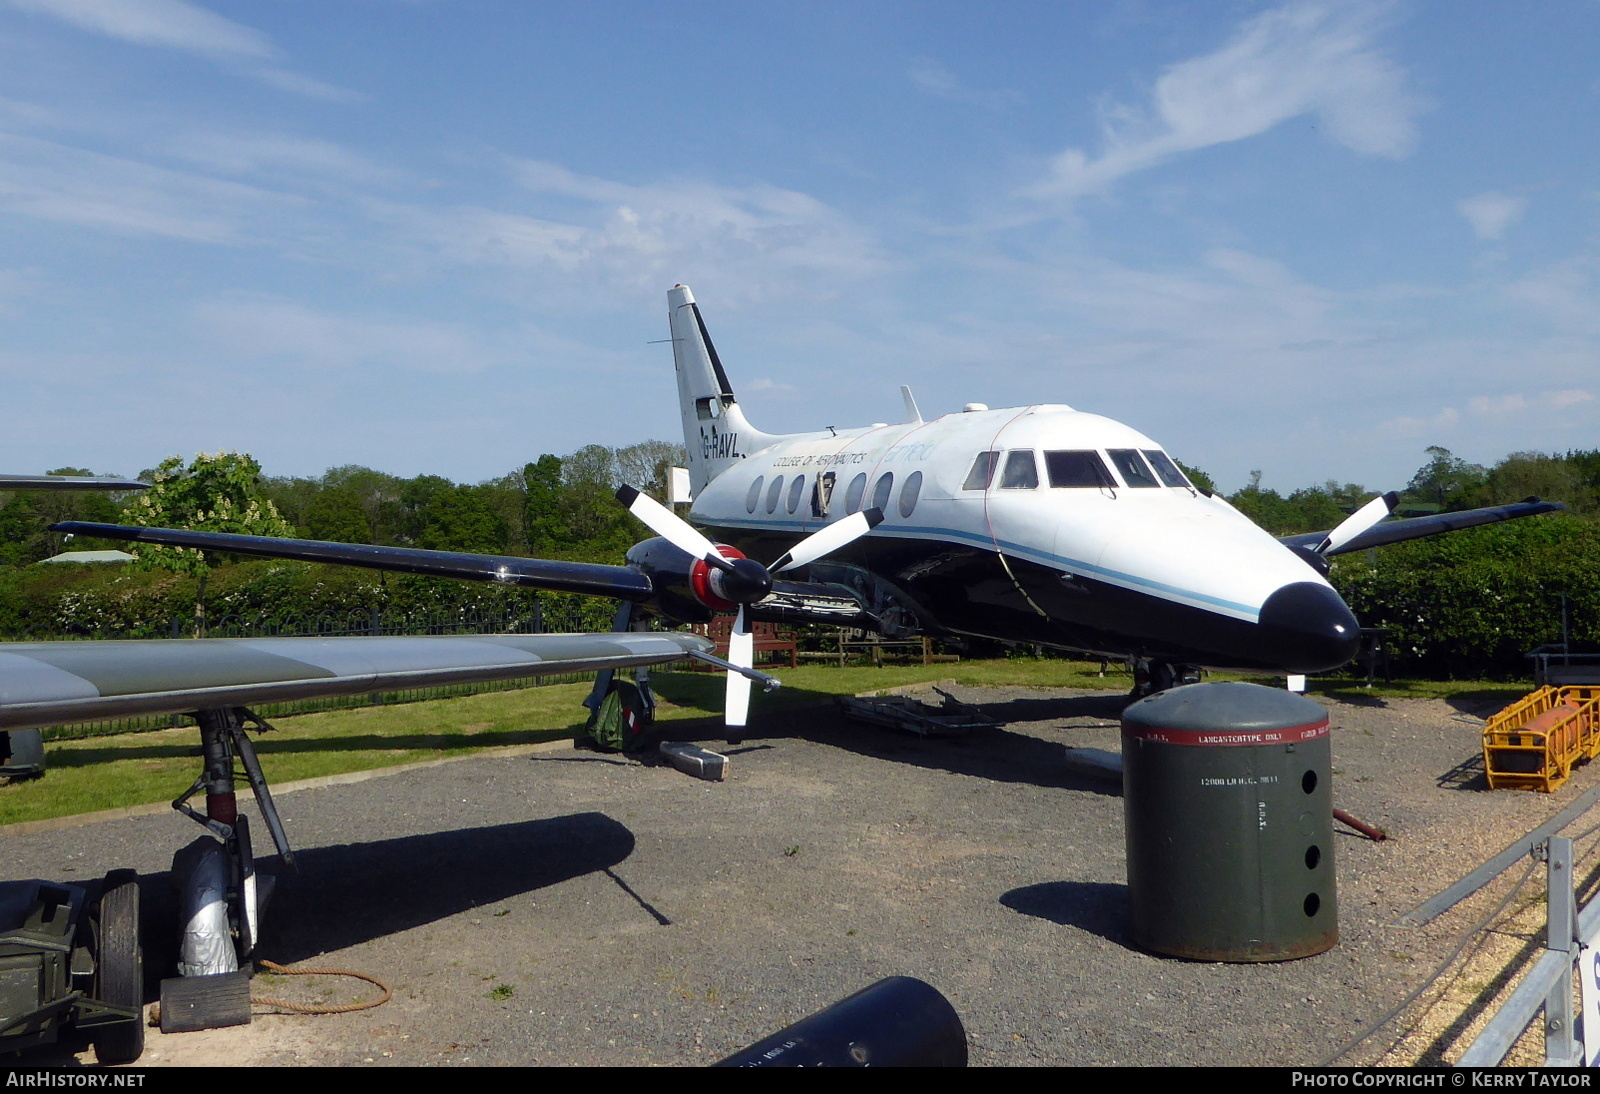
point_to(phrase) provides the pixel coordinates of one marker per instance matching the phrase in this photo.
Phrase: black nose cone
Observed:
(748, 582)
(1309, 628)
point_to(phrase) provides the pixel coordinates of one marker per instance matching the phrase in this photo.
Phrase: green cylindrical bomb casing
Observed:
(1226, 790)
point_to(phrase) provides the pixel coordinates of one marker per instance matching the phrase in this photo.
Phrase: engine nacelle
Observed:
(683, 587)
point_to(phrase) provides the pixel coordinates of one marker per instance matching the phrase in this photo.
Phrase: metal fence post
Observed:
(1560, 1046)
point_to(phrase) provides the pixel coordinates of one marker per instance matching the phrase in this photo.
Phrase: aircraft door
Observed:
(1082, 500)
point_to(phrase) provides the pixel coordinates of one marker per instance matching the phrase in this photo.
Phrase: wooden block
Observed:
(691, 759)
(190, 1003)
(1095, 762)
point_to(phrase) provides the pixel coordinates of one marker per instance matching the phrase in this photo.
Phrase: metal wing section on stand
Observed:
(68, 482)
(216, 680)
(58, 683)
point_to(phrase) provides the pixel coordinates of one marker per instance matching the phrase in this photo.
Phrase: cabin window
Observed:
(852, 496)
(1077, 469)
(796, 488)
(1132, 466)
(881, 491)
(1021, 472)
(982, 471)
(774, 492)
(753, 498)
(821, 494)
(909, 492)
(1169, 471)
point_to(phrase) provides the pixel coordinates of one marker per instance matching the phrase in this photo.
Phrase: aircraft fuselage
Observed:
(1038, 524)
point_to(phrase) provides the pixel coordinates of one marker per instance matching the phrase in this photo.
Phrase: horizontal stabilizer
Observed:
(590, 578)
(1397, 531)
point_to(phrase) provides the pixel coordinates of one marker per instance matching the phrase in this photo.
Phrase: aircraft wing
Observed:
(68, 482)
(596, 579)
(1396, 531)
(791, 603)
(58, 683)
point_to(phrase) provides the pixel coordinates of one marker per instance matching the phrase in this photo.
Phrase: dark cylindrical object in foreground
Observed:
(1229, 823)
(23, 753)
(897, 1022)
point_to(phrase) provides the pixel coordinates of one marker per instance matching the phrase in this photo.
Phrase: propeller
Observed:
(1358, 522)
(742, 581)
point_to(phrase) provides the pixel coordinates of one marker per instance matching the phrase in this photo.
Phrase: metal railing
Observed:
(1558, 664)
(1569, 938)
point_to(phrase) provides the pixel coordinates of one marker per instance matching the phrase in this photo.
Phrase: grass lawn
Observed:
(97, 773)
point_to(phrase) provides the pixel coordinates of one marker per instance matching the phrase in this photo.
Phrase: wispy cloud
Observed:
(1492, 213)
(1567, 294)
(1517, 403)
(270, 155)
(1301, 59)
(170, 23)
(319, 339)
(180, 25)
(1509, 405)
(1236, 302)
(932, 78)
(55, 182)
(754, 241)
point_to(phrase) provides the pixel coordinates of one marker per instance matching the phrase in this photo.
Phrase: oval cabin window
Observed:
(880, 492)
(909, 492)
(852, 496)
(796, 489)
(753, 499)
(774, 492)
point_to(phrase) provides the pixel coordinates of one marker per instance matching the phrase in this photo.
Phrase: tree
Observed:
(1309, 509)
(1199, 478)
(595, 521)
(336, 514)
(542, 516)
(215, 493)
(1534, 474)
(646, 465)
(1445, 480)
(463, 518)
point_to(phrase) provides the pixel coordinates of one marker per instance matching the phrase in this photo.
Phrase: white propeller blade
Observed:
(669, 526)
(829, 539)
(1359, 521)
(741, 652)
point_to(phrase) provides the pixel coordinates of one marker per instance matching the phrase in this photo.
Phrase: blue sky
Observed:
(1304, 238)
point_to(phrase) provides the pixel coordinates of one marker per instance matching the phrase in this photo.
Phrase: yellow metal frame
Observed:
(1516, 758)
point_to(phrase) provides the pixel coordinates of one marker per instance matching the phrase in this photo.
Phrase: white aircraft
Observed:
(1038, 524)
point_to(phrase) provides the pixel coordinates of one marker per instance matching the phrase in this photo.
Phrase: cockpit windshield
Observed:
(1134, 471)
(1084, 468)
(1166, 468)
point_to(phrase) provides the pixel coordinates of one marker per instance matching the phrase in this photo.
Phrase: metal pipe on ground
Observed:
(897, 1022)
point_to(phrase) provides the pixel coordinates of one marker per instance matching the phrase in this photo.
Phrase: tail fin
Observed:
(715, 432)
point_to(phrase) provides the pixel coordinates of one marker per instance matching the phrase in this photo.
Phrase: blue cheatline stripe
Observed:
(1251, 613)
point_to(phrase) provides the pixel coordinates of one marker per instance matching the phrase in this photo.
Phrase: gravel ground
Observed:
(571, 908)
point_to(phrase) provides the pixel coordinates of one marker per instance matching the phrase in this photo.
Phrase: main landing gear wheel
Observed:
(119, 968)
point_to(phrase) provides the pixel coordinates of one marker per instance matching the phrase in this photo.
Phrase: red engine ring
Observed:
(700, 580)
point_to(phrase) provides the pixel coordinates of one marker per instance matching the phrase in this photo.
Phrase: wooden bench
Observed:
(767, 638)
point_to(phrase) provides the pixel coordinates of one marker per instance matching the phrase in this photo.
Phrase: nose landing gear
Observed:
(1151, 676)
